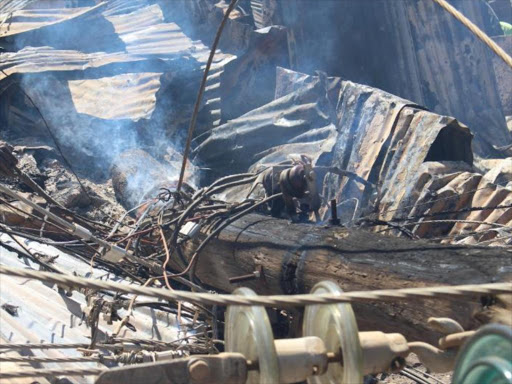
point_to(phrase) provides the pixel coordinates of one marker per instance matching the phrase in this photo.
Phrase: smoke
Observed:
(106, 116)
(90, 143)
(137, 177)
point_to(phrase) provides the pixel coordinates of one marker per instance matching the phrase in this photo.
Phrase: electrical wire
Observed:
(192, 125)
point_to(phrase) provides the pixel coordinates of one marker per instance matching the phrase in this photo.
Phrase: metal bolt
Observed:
(199, 370)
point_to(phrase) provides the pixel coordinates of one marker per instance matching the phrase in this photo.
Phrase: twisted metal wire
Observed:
(267, 301)
(38, 359)
(51, 372)
(42, 346)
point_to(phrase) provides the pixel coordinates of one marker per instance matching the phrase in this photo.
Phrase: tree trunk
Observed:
(296, 256)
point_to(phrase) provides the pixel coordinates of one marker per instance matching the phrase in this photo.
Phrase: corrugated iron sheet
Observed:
(402, 151)
(413, 49)
(9, 6)
(127, 96)
(258, 10)
(47, 316)
(137, 19)
(119, 7)
(21, 20)
(297, 123)
(145, 33)
(147, 37)
(46, 59)
(363, 125)
(444, 192)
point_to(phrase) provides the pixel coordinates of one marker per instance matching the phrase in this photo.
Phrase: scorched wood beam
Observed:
(296, 256)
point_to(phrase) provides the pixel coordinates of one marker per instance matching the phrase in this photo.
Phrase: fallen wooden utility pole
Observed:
(291, 258)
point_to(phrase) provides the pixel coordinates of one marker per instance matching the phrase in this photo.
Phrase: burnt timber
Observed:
(296, 256)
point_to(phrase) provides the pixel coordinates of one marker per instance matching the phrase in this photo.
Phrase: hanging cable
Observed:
(193, 120)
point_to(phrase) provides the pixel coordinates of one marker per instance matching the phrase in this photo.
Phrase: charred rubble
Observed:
(366, 143)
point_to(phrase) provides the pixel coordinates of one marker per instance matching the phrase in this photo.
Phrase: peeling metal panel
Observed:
(411, 149)
(408, 156)
(384, 140)
(380, 137)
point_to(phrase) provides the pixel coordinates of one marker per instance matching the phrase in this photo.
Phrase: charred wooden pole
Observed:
(293, 257)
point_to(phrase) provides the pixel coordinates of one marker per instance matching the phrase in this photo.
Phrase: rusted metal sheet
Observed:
(379, 137)
(127, 81)
(297, 123)
(145, 33)
(453, 204)
(412, 49)
(384, 140)
(416, 164)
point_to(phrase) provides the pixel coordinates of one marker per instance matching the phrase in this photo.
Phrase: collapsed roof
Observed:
(393, 101)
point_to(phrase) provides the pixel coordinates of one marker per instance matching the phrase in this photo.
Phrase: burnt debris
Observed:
(361, 142)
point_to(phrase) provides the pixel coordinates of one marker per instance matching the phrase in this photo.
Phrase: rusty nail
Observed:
(251, 276)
